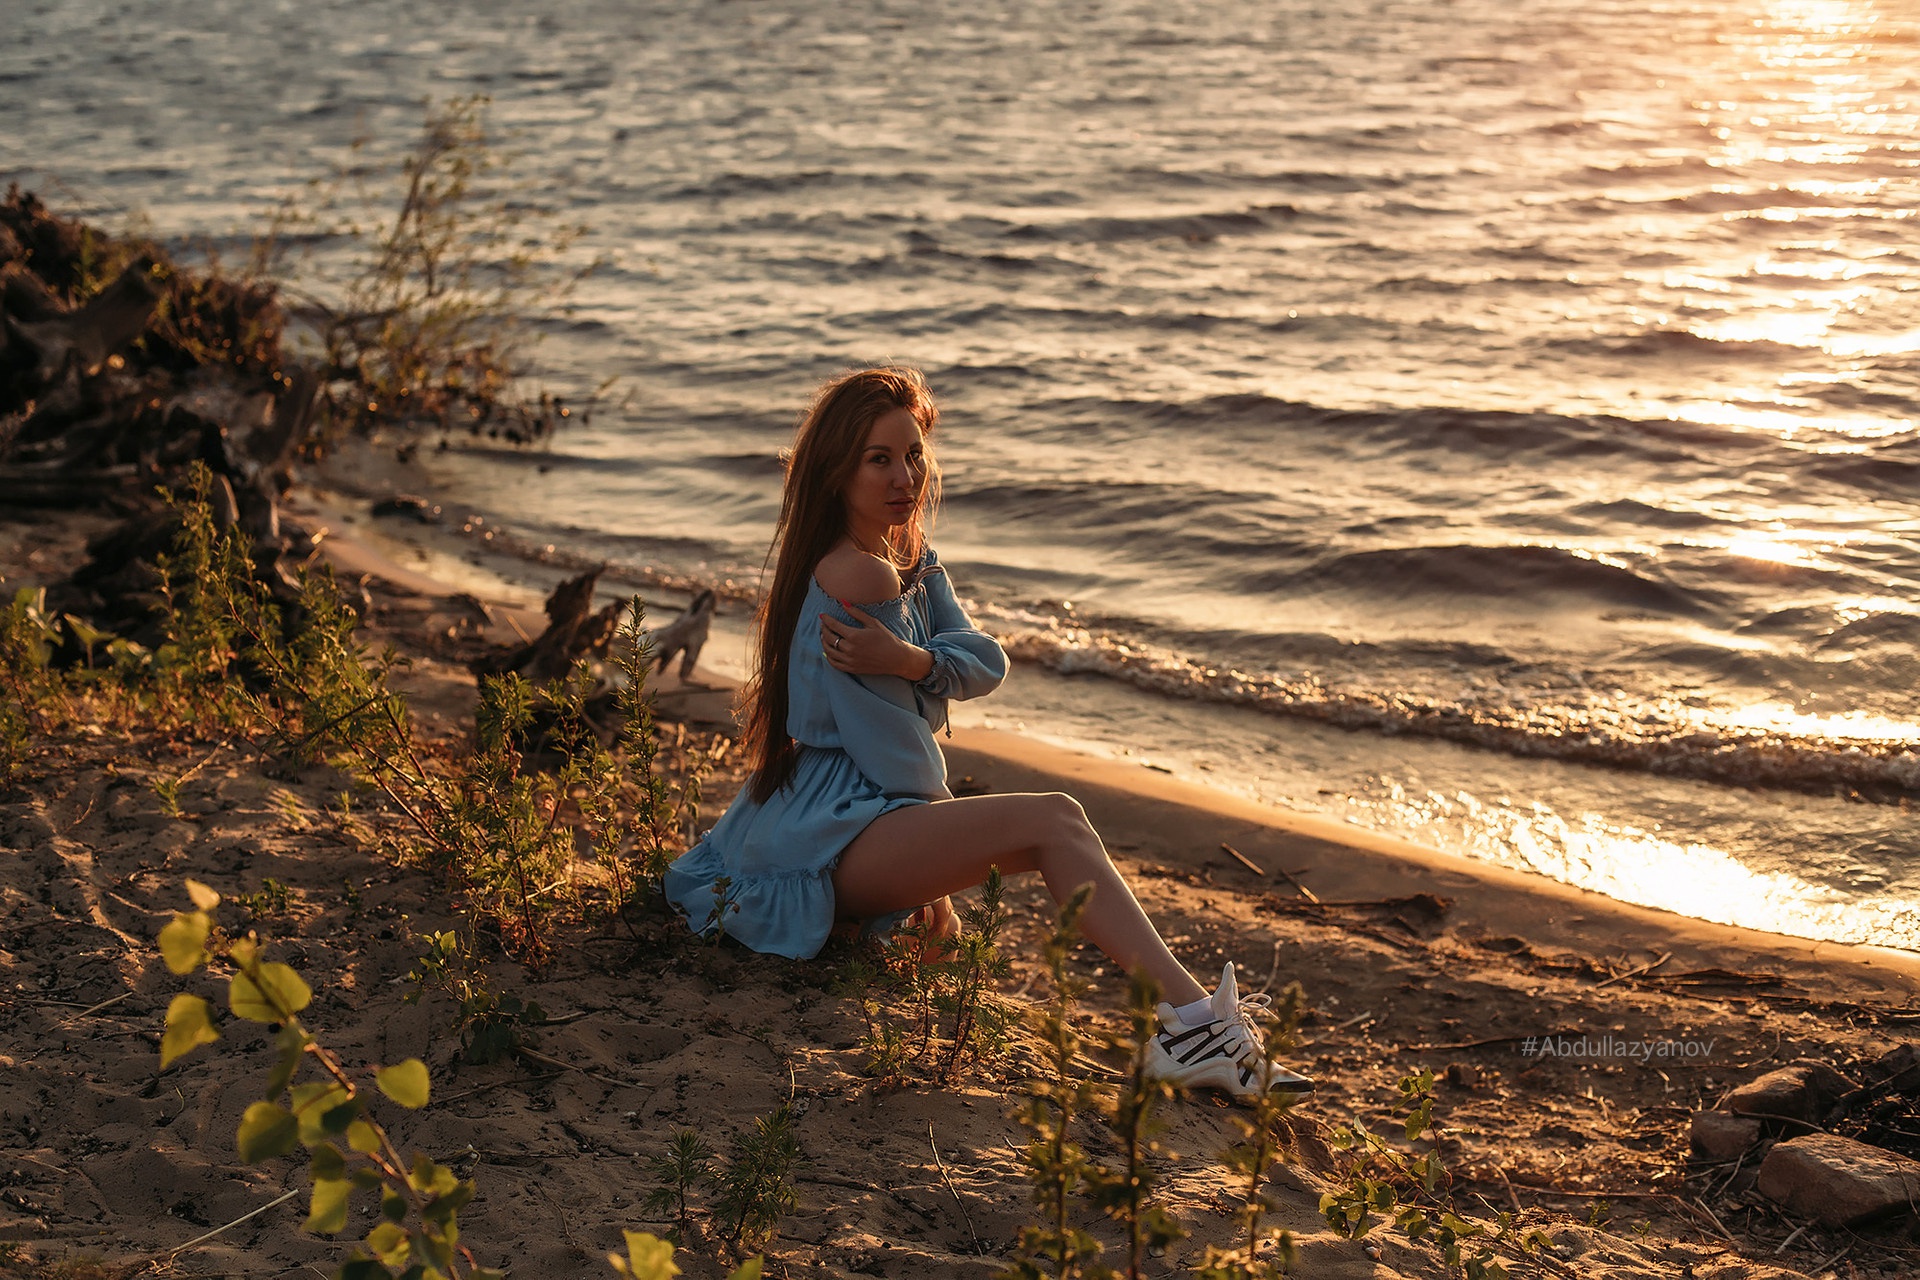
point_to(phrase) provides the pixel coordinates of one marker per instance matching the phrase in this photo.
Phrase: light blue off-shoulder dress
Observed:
(866, 748)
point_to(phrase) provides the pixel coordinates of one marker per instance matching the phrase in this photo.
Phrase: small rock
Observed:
(1836, 1181)
(1804, 1091)
(410, 505)
(1721, 1135)
(1463, 1074)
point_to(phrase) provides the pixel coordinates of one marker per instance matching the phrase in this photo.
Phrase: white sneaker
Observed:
(1224, 1052)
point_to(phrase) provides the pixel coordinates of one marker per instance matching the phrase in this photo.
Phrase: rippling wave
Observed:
(1661, 739)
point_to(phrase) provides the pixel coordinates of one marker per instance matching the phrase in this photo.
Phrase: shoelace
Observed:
(1246, 1008)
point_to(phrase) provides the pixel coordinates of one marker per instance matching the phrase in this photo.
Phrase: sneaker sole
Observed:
(1223, 1074)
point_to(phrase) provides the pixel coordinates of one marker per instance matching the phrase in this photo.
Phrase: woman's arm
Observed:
(959, 660)
(876, 721)
(890, 744)
(865, 647)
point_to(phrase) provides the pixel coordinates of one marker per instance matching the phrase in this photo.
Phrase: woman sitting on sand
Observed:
(858, 647)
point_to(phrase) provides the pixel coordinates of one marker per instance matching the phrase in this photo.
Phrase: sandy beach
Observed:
(1407, 958)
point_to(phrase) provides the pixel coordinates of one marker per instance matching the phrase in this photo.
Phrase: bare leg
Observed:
(926, 851)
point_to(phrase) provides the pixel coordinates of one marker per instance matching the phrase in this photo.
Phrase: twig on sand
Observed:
(182, 1248)
(205, 760)
(834, 1180)
(543, 1060)
(1305, 892)
(1484, 1044)
(1634, 973)
(1242, 859)
(104, 1004)
(26, 1159)
(954, 1192)
(497, 1084)
(1824, 1263)
(1512, 1196)
(1711, 1217)
(1738, 1164)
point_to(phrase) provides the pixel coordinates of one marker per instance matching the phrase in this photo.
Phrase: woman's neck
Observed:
(875, 545)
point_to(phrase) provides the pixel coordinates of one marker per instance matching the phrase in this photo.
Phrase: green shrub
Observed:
(687, 1163)
(27, 685)
(490, 1025)
(1056, 1164)
(1264, 1135)
(1376, 1177)
(350, 1153)
(944, 1012)
(428, 325)
(1124, 1193)
(756, 1187)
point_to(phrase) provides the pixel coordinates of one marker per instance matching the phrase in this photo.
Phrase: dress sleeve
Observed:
(967, 662)
(890, 743)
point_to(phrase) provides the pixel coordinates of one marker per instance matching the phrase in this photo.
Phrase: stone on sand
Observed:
(1838, 1182)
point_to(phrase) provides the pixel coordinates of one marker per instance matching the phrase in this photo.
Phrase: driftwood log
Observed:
(106, 393)
(84, 337)
(686, 635)
(574, 631)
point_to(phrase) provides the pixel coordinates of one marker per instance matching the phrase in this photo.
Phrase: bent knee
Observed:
(1059, 809)
(1067, 822)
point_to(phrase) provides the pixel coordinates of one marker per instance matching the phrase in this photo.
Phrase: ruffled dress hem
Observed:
(763, 909)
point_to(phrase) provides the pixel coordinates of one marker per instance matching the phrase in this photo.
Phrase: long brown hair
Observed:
(826, 450)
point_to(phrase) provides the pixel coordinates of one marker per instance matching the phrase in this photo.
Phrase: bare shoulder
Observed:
(848, 573)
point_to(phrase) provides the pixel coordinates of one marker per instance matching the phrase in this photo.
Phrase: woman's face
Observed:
(890, 478)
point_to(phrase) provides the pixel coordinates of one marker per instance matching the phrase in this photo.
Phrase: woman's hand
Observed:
(867, 648)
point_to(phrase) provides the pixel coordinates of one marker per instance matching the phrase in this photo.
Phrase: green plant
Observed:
(501, 832)
(490, 1025)
(1125, 1193)
(638, 741)
(944, 1013)
(272, 902)
(429, 324)
(27, 641)
(1376, 1177)
(505, 823)
(211, 607)
(168, 791)
(335, 691)
(978, 1026)
(756, 1187)
(686, 1163)
(884, 1042)
(419, 1200)
(724, 896)
(1056, 1164)
(615, 792)
(1263, 1137)
(651, 1258)
(418, 1234)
